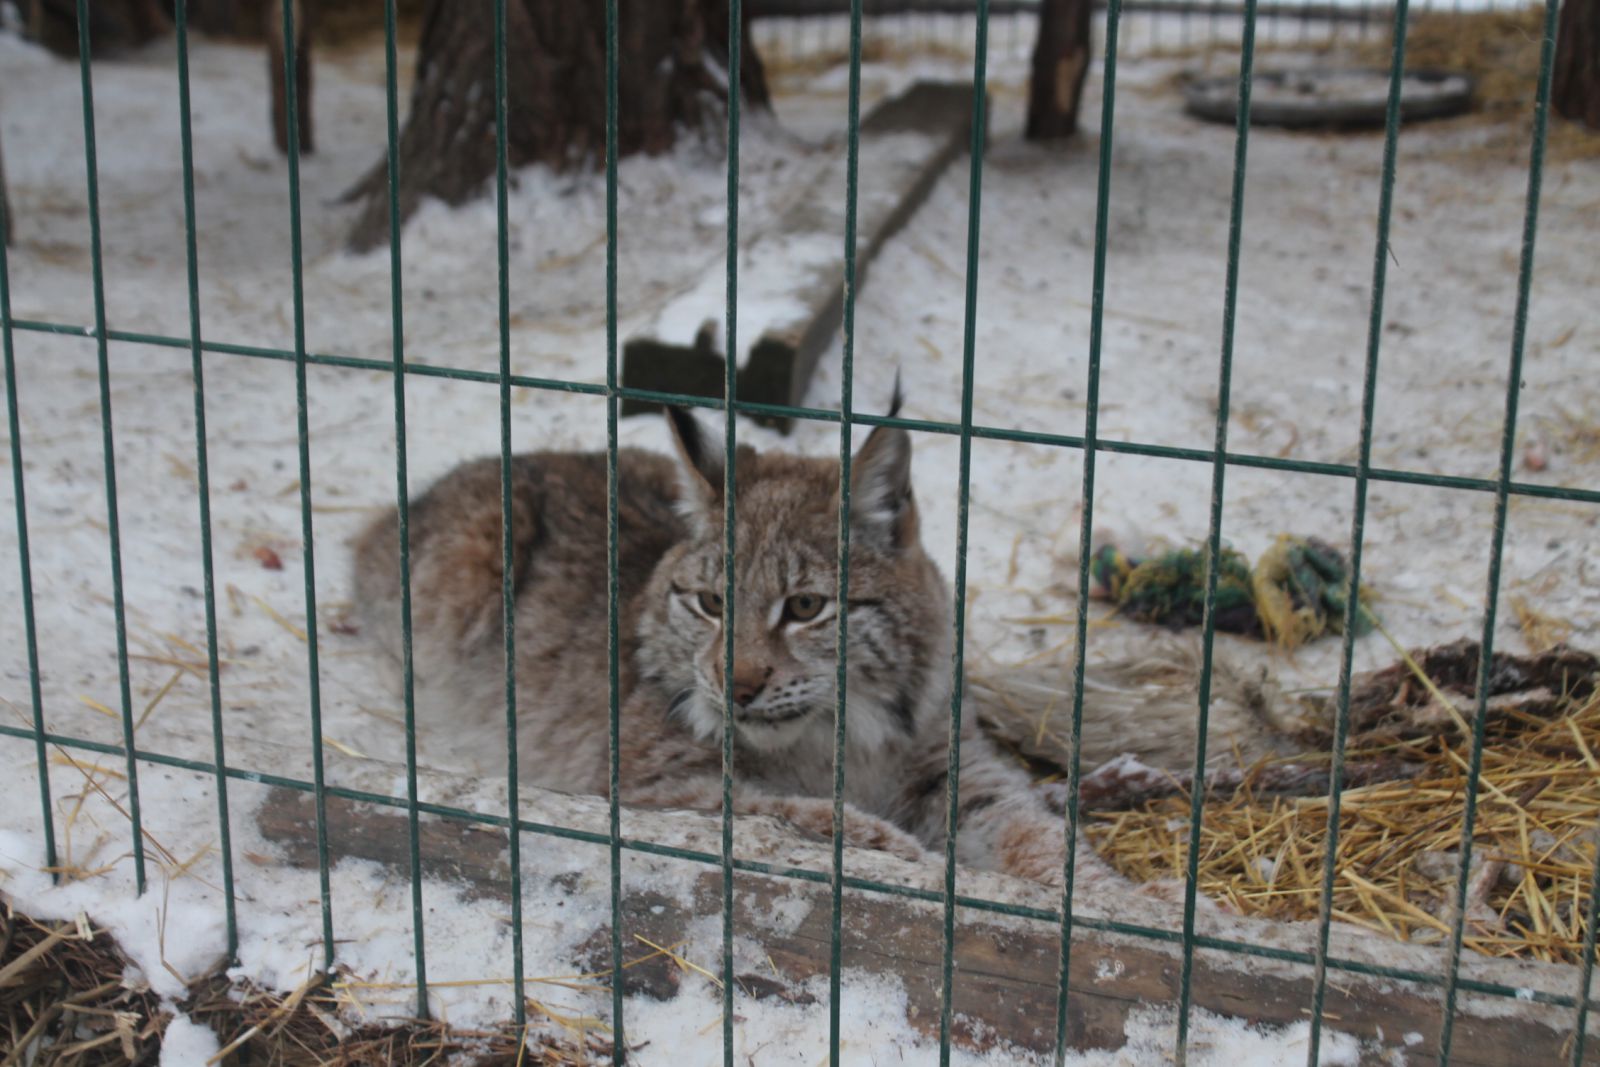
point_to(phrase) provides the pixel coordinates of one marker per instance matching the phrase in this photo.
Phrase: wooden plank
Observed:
(906, 143)
(1006, 968)
(1232, 9)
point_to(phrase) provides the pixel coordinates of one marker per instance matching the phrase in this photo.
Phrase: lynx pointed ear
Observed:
(699, 469)
(881, 507)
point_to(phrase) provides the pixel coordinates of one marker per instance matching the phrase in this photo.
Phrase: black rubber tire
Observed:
(1363, 103)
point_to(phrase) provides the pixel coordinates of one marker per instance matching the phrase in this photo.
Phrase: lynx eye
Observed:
(711, 604)
(803, 607)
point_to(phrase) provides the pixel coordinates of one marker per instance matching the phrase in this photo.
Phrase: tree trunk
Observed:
(671, 77)
(1575, 88)
(231, 18)
(113, 24)
(1060, 63)
(302, 75)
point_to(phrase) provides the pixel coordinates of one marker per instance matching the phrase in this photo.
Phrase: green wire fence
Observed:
(1362, 473)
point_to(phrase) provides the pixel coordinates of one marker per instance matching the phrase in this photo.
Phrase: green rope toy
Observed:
(1295, 593)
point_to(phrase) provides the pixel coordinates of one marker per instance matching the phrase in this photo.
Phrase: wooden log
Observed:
(798, 266)
(1258, 736)
(1265, 9)
(1006, 968)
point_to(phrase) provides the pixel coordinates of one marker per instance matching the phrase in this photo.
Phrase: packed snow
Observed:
(1301, 337)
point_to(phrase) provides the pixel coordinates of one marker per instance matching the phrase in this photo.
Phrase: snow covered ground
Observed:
(1301, 337)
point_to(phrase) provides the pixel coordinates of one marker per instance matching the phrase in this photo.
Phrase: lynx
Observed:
(671, 617)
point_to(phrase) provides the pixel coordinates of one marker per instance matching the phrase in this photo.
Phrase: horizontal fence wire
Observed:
(759, 410)
(108, 443)
(203, 479)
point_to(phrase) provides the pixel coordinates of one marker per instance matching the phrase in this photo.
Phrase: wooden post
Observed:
(1060, 64)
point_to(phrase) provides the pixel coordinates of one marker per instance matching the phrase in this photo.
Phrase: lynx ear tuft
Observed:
(882, 509)
(699, 470)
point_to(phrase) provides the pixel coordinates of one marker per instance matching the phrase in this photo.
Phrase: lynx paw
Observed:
(863, 831)
(860, 831)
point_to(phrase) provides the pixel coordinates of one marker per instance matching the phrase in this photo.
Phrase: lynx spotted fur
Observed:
(670, 554)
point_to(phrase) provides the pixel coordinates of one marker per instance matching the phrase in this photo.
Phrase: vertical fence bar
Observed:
(24, 561)
(619, 1041)
(203, 476)
(1497, 539)
(1358, 523)
(402, 502)
(1219, 467)
(508, 616)
(969, 347)
(108, 444)
(730, 444)
(1586, 977)
(303, 441)
(842, 636)
(1091, 423)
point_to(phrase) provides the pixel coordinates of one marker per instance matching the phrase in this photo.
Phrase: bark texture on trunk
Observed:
(1060, 64)
(672, 77)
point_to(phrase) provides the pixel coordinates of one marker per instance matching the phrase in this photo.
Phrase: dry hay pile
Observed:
(62, 1000)
(63, 1003)
(1500, 49)
(1538, 807)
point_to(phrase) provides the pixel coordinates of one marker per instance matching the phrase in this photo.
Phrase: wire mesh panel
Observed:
(1502, 488)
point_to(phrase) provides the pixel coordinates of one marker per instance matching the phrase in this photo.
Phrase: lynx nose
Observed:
(748, 682)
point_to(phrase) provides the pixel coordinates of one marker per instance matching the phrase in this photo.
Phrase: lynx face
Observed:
(785, 617)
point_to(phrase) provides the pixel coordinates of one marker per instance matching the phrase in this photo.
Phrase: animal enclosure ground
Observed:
(1305, 277)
